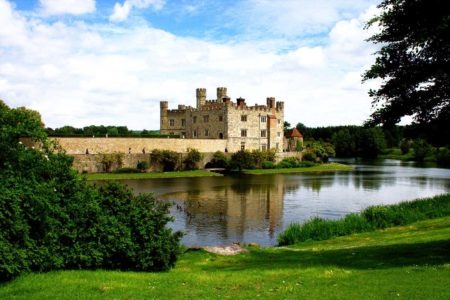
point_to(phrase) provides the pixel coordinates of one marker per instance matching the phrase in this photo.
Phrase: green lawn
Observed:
(330, 167)
(112, 176)
(411, 262)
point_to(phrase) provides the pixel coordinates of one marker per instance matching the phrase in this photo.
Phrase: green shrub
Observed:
(219, 160)
(421, 149)
(241, 160)
(50, 218)
(375, 217)
(268, 165)
(443, 157)
(309, 156)
(259, 156)
(127, 170)
(405, 145)
(165, 159)
(192, 159)
(142, 166)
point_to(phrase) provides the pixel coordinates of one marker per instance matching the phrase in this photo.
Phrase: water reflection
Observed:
(222, 210)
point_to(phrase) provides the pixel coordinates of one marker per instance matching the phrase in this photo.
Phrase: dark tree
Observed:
(413, 63)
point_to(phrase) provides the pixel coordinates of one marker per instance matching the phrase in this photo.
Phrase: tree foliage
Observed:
(50, 218)
(413, 63)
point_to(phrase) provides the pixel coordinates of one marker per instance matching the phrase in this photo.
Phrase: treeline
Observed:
(435, 134)
(410, 142)
(99, 130)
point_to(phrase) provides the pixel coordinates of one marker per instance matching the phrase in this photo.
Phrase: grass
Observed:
(411, 262)
(329, 167)
(112, 176)
(396, 153)
(370, 219)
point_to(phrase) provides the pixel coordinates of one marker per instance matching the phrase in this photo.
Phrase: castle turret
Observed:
(280, 105)
(164, 105)
(270, 102)
(221, 93)
(201, 97)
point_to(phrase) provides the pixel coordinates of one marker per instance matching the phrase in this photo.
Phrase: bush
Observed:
(142, 166)
(405, 145)
(421, 149)
(165, 159)
(309, 156)
(259, 156)
(241, 160)
(127, 170)
(192, 159)
(268, 165)
(219, 160)
(375, 217)
(50, 218)
(443, 157)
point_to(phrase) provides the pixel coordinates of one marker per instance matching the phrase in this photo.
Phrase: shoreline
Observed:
(329, 167)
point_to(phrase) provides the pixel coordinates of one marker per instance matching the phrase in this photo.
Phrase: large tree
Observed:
(413, 62)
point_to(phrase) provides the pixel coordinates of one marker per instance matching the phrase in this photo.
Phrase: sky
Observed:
(110, 62)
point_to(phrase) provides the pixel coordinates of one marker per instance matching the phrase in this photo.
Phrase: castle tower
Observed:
(201, 97)
(221, 93)
(164, 117)
(271, 102)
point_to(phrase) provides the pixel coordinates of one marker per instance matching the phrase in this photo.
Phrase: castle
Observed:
(242, 127)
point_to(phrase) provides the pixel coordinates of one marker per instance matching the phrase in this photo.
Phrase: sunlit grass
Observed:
(329, 167)
(411, 262)
(175, 174)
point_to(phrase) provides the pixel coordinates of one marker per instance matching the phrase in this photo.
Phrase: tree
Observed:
(50, 218)
(414, 62)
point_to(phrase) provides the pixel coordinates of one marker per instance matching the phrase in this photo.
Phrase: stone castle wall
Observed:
(79, 145)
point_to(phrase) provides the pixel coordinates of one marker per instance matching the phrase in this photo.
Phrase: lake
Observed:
(256, 208)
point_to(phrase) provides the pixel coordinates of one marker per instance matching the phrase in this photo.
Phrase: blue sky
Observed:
(82, 62)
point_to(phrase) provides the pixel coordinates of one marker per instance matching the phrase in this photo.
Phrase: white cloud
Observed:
(80, 74)
(293, 17)
(71, 7)
(122, 11)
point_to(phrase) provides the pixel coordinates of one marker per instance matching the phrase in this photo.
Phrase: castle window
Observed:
(220, 118)
(221, 135)
(195, 133)
(244, 118)
(194, 120)
(244, 132)
(263, 147)
(263, 119)
(263, 133)
(183, 122)
(171, 122)
(205, 119)
(206, 132)
(242, 146)
(279, 121)
(278, 134)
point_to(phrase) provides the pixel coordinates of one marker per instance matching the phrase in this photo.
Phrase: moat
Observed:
(223, 210)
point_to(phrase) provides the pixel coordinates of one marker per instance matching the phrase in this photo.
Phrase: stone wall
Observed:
(91, 163)
(79, 145)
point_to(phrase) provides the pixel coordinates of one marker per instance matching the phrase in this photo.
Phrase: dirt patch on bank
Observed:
(226, 250)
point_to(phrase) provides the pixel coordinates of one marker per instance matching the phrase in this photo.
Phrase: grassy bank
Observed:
(370, 219)
(112, 176)
(330, 167)
(410, 262)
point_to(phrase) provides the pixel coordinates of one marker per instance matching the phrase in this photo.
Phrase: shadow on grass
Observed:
(373, 257)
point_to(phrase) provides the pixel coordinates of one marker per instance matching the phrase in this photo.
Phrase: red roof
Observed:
(294, 133)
